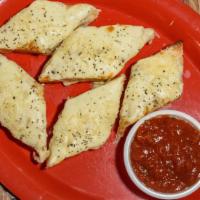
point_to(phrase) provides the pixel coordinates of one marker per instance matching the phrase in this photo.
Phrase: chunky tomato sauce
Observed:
(165, 154)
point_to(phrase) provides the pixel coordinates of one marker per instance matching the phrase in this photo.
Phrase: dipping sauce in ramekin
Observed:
(162, 156)
(165, 154)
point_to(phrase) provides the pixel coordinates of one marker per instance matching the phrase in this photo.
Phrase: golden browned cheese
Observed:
(154, 82)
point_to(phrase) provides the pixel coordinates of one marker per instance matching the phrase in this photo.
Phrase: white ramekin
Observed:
(127, 161)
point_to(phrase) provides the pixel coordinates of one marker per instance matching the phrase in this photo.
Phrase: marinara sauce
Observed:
(165, 154)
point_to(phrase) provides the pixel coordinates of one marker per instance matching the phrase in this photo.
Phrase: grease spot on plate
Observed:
(187, 74)
(171, 23)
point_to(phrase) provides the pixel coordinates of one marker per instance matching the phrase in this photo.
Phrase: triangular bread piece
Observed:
(86, 121)
(42, 26)
(154, 82)
(23, 108)
(95, 53)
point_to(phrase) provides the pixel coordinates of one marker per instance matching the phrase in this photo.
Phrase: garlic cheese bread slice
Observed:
(95, 53)
(154, 82)
(42, 26)
(23, 108)
(86, 121)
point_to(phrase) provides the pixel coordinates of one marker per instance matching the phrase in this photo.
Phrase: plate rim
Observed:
(7, 178)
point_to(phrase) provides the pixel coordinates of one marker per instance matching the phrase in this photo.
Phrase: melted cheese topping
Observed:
(95, 53)
(154, 82)
(22, 107)
(86, 121)
(42, 26)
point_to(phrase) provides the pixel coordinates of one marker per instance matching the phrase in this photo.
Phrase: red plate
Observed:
(100, 174)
